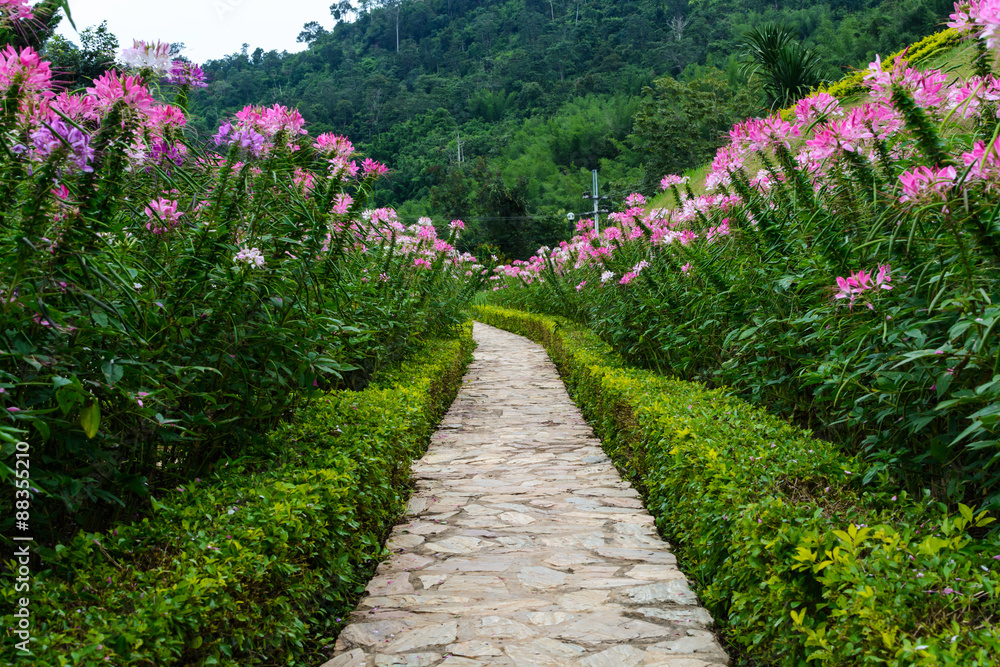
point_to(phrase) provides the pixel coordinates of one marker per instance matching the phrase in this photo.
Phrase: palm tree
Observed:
(787, 70)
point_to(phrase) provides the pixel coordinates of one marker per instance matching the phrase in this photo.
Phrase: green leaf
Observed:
(42, 427)
(59, 381)
(942, 384)
(64, 4)
(90, 419)
(68, 396)
(965, 511)
(112, 371)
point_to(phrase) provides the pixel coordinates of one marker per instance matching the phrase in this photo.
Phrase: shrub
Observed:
(793, 556)
(257, 564)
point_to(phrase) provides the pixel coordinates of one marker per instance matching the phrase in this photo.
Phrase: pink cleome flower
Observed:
(342, 203)
(984, 165)
(304, 179)
(14, 10)
(269, 121)
(671, 180)
(862, 281)
(109, 88)
(980, 18)
(635, 199)
(26, 69)
(817, 107)
(927, 183)
(163, 215)
(370, 167)
(330, 143)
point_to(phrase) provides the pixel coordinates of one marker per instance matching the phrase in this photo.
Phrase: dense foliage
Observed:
(258, 563)
(844, 271)
(163, 304)
(412, 79)
(792, 555)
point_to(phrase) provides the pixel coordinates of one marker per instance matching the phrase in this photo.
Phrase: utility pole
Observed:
(596, 197)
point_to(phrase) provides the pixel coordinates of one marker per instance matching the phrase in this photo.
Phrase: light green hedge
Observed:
(797, 560)
(258, 564)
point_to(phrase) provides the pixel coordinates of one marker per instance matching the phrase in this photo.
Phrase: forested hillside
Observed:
(539, 91)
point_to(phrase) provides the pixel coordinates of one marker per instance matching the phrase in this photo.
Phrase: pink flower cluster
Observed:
(985, 164)
(109, 89)
(339, 151)
(923, 184)
(57, 128)
(270, 121)
(256, 128)
(163, 216)
(671, 180)
(927, 87)
(372, 168)
(26, 69)
(980, 18)
(635, 199)
(858, 283)
(251, 257)
(817, 107)
(14, 10)
(631, 275)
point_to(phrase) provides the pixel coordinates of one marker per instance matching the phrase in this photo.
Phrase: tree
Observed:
(310, 33)
(341, 10)
(450, 197)
(680, 125)
(79, 66)
(786, 69)
(505, 223)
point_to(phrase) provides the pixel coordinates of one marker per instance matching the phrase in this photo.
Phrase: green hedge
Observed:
(797, 560)
(257, 565)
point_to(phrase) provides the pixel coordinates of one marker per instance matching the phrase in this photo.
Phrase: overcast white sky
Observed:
(209, 28)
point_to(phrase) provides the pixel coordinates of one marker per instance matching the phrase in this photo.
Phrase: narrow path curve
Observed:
(523, 546)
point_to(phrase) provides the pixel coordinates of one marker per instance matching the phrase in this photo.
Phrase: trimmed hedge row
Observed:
(257, 565)
(798, 562)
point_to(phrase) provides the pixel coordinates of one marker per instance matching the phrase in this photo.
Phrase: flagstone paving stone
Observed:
(522, 545)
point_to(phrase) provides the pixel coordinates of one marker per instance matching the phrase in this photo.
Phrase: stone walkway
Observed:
(523, 546)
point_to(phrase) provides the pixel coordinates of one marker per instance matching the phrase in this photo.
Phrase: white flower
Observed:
(250, 257)
(607, 275)
(152, 56)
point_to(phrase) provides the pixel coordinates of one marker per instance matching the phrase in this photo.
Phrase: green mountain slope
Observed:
(537, 90)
